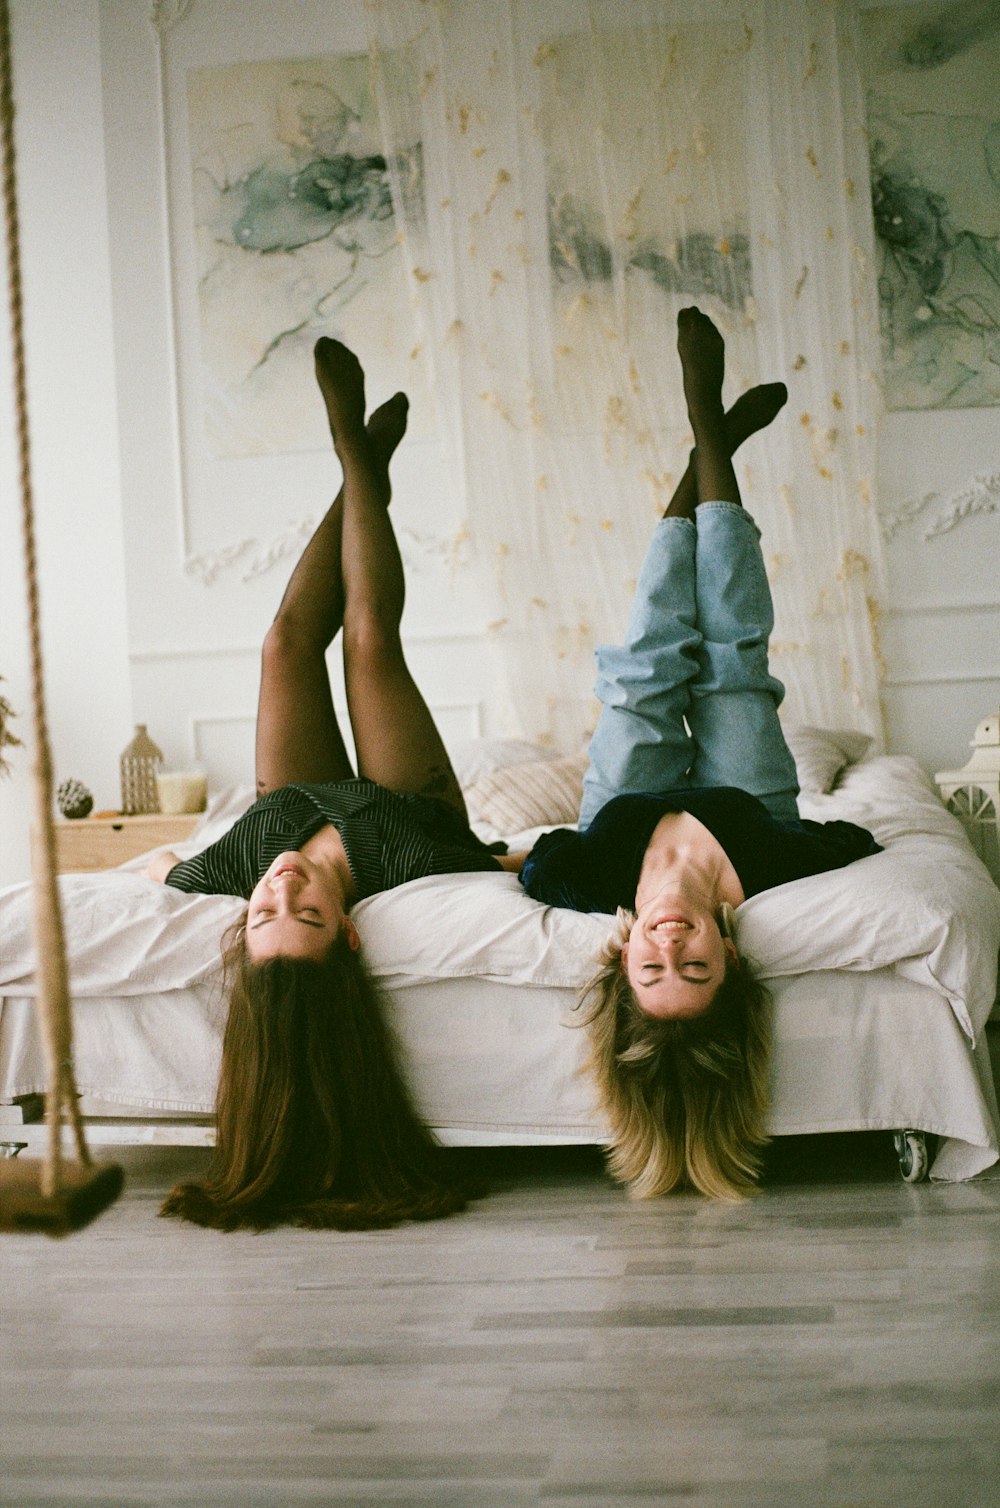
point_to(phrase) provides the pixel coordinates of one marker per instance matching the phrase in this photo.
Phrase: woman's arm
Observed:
(512, 861)
(161, 864)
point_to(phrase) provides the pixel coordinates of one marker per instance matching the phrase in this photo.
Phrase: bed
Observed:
(883, 976)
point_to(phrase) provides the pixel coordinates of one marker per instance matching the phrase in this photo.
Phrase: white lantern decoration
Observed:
(973, 793)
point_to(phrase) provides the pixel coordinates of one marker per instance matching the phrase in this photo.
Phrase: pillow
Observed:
(539, 793)
(476, 757)
(821, 753)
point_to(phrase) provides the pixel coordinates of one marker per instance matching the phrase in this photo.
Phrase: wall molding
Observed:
(955, 678)
(980, 495)
(199, 724)
(441, 704)
(151, 654)
(936, 609)
(419, 551)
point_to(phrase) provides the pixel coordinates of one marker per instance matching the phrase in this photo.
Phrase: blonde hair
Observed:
(686, 1100)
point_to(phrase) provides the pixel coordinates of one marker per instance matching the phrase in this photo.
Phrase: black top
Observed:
(598, 869)
(388, 839)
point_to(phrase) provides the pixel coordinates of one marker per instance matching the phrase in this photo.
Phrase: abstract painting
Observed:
(295, 237)
(934, 140)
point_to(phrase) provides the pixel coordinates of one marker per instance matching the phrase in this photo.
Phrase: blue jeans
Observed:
(688, 699)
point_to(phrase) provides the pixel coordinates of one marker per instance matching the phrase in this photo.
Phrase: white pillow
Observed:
(919, 906)
(477, 757)
(821, 753)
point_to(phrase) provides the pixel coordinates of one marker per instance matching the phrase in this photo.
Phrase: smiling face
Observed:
(296, 910)
(676, 958)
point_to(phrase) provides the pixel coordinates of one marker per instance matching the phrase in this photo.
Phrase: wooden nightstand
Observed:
(103, 842)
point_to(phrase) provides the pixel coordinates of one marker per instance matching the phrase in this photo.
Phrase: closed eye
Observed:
(693, 972)
(657, 968)
(313, 920)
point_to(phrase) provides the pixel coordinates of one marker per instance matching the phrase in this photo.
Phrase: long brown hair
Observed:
(315, 1124)
(686, 1100)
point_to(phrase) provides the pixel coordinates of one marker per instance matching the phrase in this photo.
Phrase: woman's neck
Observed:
(683, 858)
(687, 881)
(326, 849)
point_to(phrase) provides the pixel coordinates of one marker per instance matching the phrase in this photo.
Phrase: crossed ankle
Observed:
(710, 429)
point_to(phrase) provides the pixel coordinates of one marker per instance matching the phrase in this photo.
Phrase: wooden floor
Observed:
(835, 1341)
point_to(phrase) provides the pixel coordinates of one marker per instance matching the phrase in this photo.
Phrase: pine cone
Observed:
(73, 799)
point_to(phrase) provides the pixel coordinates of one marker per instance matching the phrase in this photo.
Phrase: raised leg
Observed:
(396, 739)
(734, 699)
(703, 362)
(641, 742)
(298, 737)
(733, 715)
(752, 411)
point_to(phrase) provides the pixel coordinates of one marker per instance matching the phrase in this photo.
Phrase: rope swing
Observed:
(49, 1195)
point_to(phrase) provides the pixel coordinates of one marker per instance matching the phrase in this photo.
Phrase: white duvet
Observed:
(926, 906)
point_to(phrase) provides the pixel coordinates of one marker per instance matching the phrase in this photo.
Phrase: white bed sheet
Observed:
(491, 1064)
(883, 976)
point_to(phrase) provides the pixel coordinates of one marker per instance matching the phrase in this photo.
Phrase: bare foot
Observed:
(342, 383)
(703, 363)
(387, 425)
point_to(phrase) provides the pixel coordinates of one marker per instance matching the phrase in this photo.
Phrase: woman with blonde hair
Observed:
(315, 1124)
(689, 807)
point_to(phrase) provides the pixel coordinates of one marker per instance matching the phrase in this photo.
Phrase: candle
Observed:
(181, 791)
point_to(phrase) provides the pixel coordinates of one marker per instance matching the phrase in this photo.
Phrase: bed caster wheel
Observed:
(911, 1149)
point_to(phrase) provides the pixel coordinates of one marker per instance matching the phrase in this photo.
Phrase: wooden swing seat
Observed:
(84, 1192)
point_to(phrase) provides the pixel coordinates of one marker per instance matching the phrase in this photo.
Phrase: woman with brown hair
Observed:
(688, 809)
(316, 1126)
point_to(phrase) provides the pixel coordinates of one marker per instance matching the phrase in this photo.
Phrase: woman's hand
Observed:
(161, 864)
(512, 861)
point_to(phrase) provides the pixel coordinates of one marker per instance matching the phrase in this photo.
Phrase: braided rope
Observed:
(50, 945)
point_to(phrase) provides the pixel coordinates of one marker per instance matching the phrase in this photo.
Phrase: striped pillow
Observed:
(532, 794)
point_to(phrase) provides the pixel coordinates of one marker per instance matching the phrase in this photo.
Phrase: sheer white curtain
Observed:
(568, 176)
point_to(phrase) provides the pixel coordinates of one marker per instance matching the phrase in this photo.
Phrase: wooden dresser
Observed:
(86, 843)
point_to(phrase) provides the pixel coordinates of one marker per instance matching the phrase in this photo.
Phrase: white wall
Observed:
(942, 628)
(73, 415)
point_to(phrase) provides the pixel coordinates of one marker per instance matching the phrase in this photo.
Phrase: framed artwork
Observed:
(295, 237)
(934, 141)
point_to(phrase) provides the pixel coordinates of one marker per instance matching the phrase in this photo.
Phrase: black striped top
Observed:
(388, 839)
